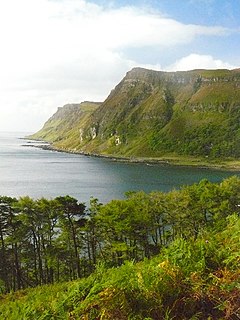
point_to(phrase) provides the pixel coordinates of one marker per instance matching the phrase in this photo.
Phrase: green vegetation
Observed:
(154, 256)
(153, 114)
(64, 126)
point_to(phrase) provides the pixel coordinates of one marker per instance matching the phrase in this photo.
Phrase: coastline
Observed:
(224, 165)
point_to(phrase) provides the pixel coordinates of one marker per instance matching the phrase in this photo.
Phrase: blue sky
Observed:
(55, 52)
(198, 12)
(208, 12)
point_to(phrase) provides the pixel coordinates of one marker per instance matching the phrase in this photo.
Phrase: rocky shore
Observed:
(230, 165)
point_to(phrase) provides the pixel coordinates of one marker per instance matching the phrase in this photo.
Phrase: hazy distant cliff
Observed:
(154, 113)
(64, 126)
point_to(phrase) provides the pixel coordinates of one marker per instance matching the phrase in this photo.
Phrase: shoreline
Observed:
(178, 161)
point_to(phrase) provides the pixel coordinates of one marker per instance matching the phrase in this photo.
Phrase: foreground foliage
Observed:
(161, 255)
(191, 279)
(47, 241)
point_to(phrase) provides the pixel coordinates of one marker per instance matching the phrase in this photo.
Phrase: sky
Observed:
(54, 52)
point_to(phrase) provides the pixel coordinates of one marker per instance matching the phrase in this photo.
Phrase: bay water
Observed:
(35, 172)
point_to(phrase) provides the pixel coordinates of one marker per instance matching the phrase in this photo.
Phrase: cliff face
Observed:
(153, 113)
(63, 128)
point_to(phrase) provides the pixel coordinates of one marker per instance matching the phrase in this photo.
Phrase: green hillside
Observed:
(194, 279)
(63, 127)
(187, 281)
(159, 115)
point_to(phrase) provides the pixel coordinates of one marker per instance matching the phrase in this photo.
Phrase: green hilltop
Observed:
(156, 115)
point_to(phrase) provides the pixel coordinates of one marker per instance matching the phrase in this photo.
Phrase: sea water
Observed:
(35, 172)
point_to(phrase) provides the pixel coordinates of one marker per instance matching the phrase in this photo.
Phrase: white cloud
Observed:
(55, 52)
(197, 61)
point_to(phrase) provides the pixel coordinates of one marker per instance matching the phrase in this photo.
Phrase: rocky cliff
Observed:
(64, 127)
(155, 114)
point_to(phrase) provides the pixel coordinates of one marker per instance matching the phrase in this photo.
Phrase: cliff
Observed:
(64, 126)
(155, 114)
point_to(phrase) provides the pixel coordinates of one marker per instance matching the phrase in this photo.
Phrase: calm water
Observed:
(40, 173)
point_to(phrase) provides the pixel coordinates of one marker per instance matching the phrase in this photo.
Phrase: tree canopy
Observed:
(53, 240)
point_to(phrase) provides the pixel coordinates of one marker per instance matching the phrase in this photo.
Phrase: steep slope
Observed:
(191, 279)
(63, 127)
(156, 114)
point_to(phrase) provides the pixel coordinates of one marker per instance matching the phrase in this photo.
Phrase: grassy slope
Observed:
(162, 115)
(194, 279)
(63, 127)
